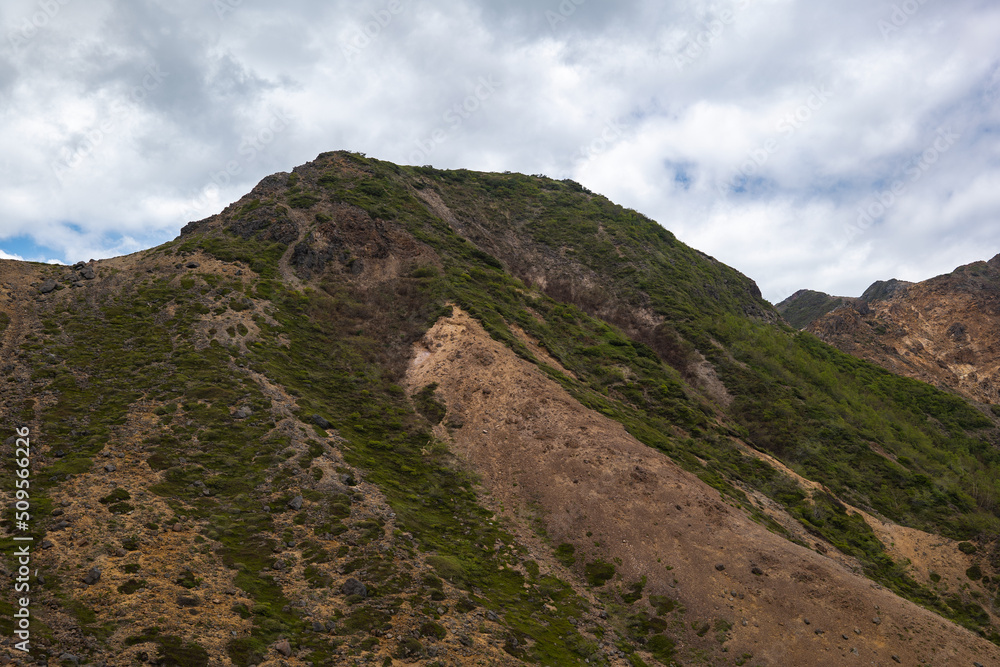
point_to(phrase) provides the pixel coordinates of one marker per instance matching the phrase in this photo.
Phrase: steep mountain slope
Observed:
(373, 413)
(943, 331)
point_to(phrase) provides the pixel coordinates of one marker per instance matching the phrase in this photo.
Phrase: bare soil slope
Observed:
(594, 486)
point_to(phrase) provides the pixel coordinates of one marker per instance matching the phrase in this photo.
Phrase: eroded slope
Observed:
(616, 500)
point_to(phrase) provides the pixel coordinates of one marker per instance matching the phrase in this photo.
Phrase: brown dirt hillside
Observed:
(945, 331)
(550, 463)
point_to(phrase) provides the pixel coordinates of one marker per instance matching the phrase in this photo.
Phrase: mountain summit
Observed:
(943, 331)
(378, 414)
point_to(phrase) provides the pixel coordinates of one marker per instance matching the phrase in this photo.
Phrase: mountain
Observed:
(943, 331)
(379, 414)
(806, 306)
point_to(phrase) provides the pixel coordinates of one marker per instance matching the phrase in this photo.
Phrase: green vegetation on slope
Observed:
(617, 300)
(887, 444)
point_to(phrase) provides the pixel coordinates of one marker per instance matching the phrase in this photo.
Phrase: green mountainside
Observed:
(252, 372)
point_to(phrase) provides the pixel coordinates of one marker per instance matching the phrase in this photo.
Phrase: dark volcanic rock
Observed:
(321, 422)
(267, 223)
(312, 255)
(354, 587)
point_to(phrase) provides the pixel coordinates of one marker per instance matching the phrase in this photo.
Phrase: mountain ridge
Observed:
(251, 385)
(940, 330)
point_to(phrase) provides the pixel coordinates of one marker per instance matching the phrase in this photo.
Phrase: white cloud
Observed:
(655, 104)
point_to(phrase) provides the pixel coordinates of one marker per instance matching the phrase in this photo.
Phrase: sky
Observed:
(820, 145)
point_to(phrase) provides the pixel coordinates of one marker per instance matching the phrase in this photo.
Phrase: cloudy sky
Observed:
(808, 144)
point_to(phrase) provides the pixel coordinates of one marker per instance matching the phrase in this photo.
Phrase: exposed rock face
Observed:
(945, 331)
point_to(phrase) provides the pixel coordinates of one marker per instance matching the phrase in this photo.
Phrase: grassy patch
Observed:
(599, 572)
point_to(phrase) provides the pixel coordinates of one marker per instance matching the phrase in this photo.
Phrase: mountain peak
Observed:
(379, 414)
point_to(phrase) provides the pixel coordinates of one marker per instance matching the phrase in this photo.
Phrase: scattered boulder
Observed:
(322, 422)
(354, 587)
(243, 413)
(69, 657)
(48, 285)
(188, 601)
(93, 576)
(720, 567)
(284, 648)
(192, 265)
(295, 503)
(110, 467)
(87, 273)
